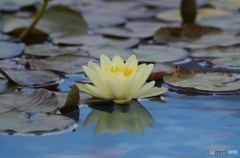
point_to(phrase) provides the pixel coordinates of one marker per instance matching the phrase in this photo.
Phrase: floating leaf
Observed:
(9, 64)
(9, 50)
(39, 100)
(225, 4)
(30, 77)
(226, 62)
(14, 5)
(95, 20)
(45, 50)
(157, 53)
(225, 22)
(110, 52)
(216, 52)
(50, 23)
(141, 29)
(174, 15)
(202, 82)
(15, 121)
(184, 33)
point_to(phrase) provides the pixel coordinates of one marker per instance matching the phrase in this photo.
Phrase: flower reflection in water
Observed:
(117, 117)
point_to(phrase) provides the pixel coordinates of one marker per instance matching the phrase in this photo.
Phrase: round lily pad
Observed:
(216, 52)
(225, 22)
(202, 82)
(174, 15)
(45, 50)
(157, 53)
(39, 100)
(9, 50)
(34, 78)
(110, 52)
(16, 121)
(9, 64)
(6, 86)
(96, 41)
(225, 4)
(226, 62)
(139, 29)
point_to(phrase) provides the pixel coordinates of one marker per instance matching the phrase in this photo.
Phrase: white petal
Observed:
(119, 76)
(105, 61)
(142, 90)
(138, 78)
(102, 78)
(117, 60)
(134, 66)
(93, 66)
(115, 89)
(130, 60)
(153, 92)
(128, 84)
(98, 92)
(85, 89)
(93, 77)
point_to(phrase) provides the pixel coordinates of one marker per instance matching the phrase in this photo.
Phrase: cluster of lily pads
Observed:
(75, 32)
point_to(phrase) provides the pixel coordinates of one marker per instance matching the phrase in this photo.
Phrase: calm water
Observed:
(184, 126)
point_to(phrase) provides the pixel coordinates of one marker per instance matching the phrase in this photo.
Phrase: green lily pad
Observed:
(6, 86)
(96, 41)
(202, 82)
(225, 4)
(45, 50)
(174, 15)
(226, 62)
(185, 33)
(139, 29)
(225, 22)
(110, 52)
(216, 52)
(40, 100)
(15, 121)
(160, 69)
(9, 50)
(30, 77)
(157, 53)
(97, 20)
(50, 23)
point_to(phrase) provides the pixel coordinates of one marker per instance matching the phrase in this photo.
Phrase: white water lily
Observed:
(118, 80)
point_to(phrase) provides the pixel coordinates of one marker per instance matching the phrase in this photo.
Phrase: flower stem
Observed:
(35, 21)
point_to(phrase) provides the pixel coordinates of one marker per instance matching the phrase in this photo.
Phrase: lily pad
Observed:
(96, 41)
(50, 23)
(202, 82)
(216, 52)
(45, 50)
(230, 22)
(15, 121)
(137, 29)
(226, 62)
(14, 5)
(39, 100)
(174, 15)
(225, 4)
(97, 20)
(110, 52)
(30, 77)
(9, 64)
(185, 33)
(9, 50)
(157, 53)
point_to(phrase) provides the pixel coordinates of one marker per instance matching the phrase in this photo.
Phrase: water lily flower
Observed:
(119, 81)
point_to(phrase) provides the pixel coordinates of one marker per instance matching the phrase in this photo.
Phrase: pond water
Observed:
(177, 125)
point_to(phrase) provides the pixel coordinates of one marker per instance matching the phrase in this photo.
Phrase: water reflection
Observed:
(118, 117)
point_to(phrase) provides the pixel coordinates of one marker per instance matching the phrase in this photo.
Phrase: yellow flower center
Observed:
(124, 69)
